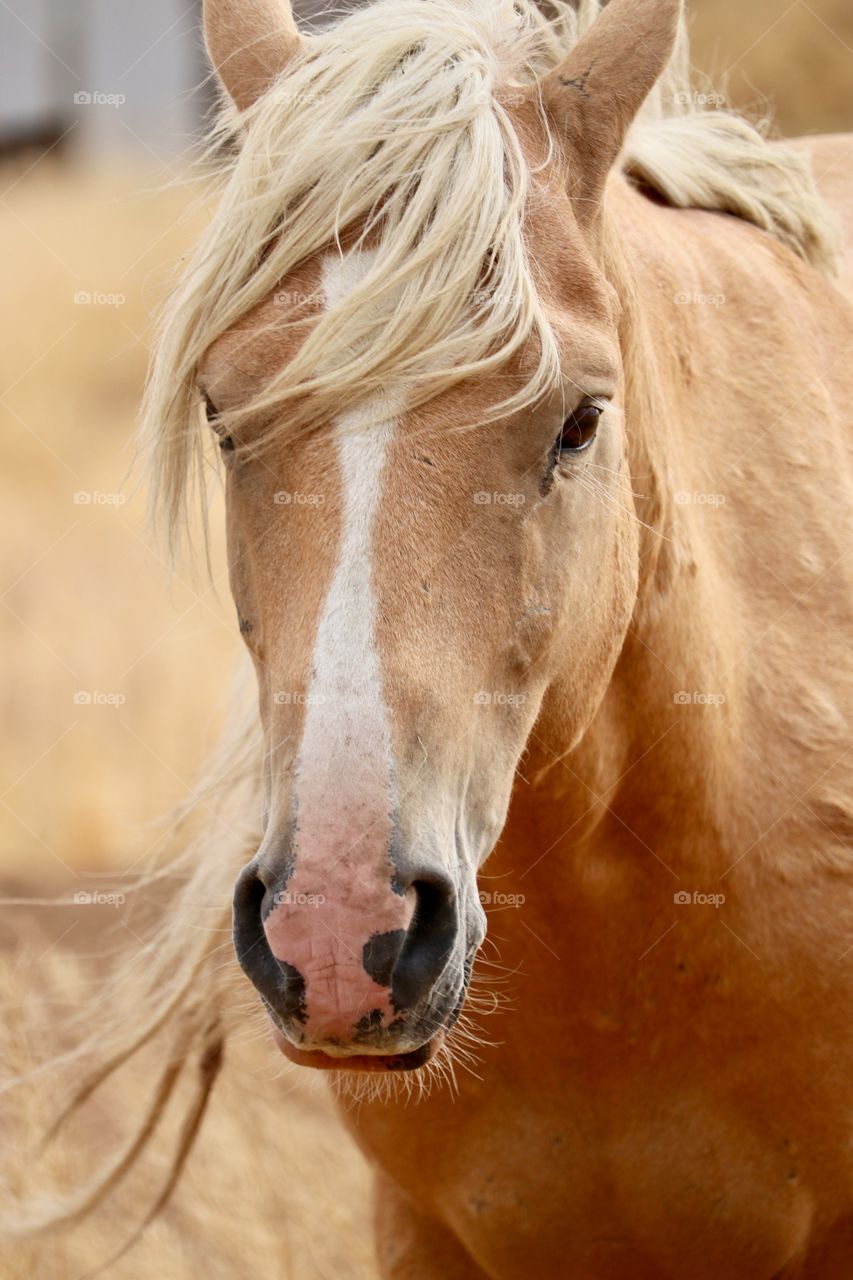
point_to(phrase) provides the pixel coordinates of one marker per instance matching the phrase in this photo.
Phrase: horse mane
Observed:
(394, 120)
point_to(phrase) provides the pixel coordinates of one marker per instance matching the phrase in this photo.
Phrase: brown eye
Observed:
(579, 430)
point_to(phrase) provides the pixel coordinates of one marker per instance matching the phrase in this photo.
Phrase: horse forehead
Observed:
(239, 364)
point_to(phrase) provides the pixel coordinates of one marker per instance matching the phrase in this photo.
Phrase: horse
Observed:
(505, 346)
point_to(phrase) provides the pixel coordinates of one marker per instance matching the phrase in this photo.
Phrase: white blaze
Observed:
(345, 773)
(345, 781)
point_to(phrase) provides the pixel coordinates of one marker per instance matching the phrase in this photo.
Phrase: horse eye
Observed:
(210, 410)
(211, 413)
(579, 430)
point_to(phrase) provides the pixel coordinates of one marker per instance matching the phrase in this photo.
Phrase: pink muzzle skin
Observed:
(322, 923)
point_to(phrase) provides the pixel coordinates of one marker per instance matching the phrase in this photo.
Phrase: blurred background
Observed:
(118, 669)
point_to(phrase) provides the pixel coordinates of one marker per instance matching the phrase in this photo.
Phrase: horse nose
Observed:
(330, 977)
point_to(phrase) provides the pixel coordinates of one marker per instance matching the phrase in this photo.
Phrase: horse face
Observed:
(424, 587)
(411, 586)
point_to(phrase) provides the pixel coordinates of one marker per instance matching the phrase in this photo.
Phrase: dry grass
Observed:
(274, 1189)
(796, 55)
(88, 605)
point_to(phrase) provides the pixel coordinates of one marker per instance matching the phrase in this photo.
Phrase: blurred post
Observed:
(103, 75)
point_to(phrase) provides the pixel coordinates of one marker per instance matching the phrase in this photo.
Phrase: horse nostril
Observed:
(248, 895)
(249, 937)
(432, 896)
(281, 986)
(249, 889)
(428, 942)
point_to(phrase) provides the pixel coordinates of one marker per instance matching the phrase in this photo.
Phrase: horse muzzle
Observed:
(358, 969)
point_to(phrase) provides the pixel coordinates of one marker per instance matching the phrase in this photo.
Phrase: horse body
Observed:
(669, 1093)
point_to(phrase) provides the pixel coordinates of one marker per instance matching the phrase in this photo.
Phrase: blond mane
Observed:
(396, 120)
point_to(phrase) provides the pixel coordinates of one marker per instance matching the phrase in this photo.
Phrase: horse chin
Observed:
(322, 1061)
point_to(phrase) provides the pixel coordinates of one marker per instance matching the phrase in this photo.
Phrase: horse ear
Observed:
(250, 42)
(595, 93)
